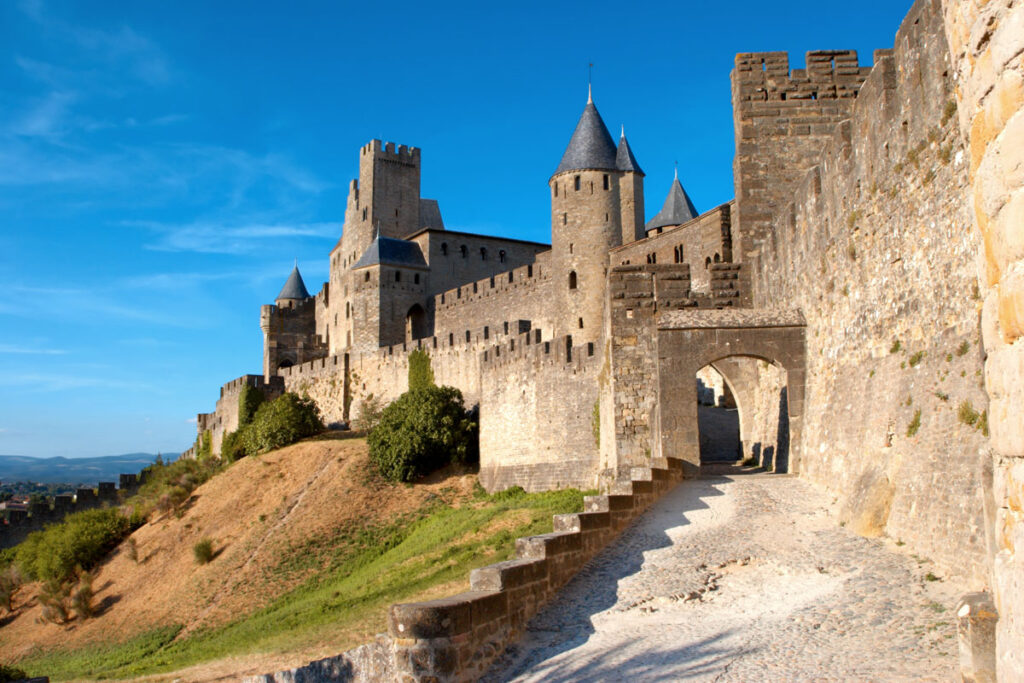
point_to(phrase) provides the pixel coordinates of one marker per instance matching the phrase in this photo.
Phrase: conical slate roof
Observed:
(387, 250)
(624, 159)
(591, 145)
(294, 288)
(678, 208)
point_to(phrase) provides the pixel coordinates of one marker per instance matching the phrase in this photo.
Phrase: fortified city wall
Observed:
(986, 41)
(876, 249)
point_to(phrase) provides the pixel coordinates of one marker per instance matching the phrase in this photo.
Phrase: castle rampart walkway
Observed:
(743, 578)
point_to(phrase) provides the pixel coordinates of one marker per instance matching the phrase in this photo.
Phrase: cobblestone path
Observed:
(743, 578)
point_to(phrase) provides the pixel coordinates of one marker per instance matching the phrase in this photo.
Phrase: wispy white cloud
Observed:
(48, 382)
(85, 304)
(30, 350)
(217, 238)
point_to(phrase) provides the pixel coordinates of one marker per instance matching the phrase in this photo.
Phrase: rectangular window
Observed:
(606, 181)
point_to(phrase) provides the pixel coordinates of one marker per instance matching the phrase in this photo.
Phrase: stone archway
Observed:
(416, 326)
(690, 340)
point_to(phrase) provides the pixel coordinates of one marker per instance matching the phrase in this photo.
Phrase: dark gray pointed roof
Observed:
(294, 288)
(678, 208)
(624, 159)
(392, 252)
(591, 146)
(430, 215)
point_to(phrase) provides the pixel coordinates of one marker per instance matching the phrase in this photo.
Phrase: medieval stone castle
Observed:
(862, 299)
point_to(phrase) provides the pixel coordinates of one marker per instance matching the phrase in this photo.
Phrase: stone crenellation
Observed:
(16, 524)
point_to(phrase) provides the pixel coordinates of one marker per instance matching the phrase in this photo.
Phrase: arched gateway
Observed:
(691, 340)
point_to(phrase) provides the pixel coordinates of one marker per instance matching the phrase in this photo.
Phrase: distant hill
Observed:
(74, 470)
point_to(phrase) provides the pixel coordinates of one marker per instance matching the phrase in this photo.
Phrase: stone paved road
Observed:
(743, 578)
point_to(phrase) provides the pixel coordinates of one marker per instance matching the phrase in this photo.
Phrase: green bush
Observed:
(81, 540)
(282, 421)
(422, 431)
(233, 447)
(421, 374)
(204, 446)
(249, 402)
(203, 551)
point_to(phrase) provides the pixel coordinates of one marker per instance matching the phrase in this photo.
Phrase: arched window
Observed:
(366, 276)
(576, 182)
(464, 250)
(572, 280)
(444, 248)
(483, 253)
(707, 263)
(501, 256)
(718, 259)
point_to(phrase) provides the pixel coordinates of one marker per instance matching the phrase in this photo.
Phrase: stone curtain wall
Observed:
(782, 120)
(877, 251)
(536, 414)
(986, 41)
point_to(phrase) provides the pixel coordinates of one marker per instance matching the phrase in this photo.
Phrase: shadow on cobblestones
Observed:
(566, 622)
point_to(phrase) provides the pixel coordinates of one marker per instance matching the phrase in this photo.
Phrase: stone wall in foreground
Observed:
(986, 40)
(877, 250)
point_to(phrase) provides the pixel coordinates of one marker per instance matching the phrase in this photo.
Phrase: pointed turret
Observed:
(678, 208)
(624, 159)
(591, 146)
(294, 288)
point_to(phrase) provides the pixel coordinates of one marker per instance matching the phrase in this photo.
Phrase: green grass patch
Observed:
(915, 423)
(361, 573)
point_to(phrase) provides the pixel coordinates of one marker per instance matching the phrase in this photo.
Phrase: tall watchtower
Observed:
(596, 204)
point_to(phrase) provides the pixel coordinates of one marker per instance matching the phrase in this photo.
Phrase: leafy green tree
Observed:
(81, 540)
(282, 421)
(421, 374)
(421, 431)
(249, 401)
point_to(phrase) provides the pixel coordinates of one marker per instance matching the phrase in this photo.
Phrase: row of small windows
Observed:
(577, 183)
(464, 251)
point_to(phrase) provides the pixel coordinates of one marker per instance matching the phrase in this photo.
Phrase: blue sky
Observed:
(162, 164)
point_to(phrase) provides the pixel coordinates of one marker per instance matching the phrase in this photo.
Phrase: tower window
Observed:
(398, 276)
(572, 280)
(416, 278)
(606, 181)
(483, 253)
(464, 250)
(366, 276)
(576, 182)
(506, 328)
(474, 288)
(556, 189)
(444, 248)
(570, 247)
(565, 219)
(581, 323)
(717, 258)
(451, 339)
(487, 332)
(467, 335)
(707, 263)
(364, 213)
(501, 256)
(348, 311)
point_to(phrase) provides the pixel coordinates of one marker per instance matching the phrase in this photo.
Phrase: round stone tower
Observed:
(587, 219)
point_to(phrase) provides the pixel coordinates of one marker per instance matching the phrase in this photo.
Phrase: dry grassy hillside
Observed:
(274, 521)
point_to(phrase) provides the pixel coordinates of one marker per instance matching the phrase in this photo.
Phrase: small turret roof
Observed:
(591, 145)
(294, 288)
(624, 159)
(389, 251)
(678, 208)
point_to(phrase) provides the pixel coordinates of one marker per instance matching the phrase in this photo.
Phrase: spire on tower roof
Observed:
(624, 159)
(678, 208)
(294, 288)
(591, 145)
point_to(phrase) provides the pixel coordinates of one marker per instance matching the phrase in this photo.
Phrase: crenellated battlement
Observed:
(829, 74)
(388, 151)
(516, 279)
